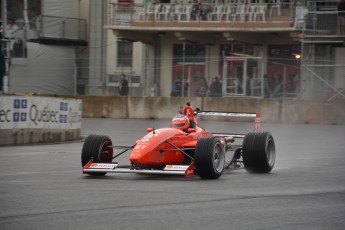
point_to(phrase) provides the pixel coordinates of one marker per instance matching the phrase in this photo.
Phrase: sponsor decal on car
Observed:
(176, 167)
(102, 166)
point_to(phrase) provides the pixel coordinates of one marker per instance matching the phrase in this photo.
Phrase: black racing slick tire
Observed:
(258, 152)
(209, 158)
(99, 149)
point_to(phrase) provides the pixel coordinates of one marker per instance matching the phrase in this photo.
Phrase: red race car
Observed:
(185, 148)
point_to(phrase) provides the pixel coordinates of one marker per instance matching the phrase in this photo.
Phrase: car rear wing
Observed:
(254, 116)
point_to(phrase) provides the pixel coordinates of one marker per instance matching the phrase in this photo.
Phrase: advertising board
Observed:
(20, 112)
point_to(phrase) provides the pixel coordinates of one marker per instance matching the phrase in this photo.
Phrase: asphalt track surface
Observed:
(42, 187)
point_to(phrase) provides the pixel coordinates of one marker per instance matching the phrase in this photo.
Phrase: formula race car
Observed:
(185, 148)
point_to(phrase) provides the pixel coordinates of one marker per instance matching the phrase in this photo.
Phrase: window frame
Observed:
(122, 53)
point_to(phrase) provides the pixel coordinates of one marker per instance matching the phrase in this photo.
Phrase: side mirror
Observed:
(191, 130)
(149, 130)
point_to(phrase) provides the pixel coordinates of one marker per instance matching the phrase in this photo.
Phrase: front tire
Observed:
(258, 152)
(98, 148)
(209, 158)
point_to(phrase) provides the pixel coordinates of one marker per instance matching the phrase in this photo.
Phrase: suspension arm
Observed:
(181, 150)
(125, 151)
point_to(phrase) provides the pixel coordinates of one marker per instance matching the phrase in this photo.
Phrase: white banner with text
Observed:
(19, 112)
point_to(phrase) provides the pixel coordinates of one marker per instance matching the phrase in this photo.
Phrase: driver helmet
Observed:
(180, 121)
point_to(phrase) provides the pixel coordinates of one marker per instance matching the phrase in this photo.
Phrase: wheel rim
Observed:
(270, 151)
(104, 151)
(218, 158)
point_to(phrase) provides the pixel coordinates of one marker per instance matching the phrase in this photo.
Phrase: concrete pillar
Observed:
(339, 81)
(307, 85)
(97, 44)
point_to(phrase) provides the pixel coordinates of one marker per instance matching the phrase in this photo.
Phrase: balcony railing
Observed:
(234, 15)
(45, 29)
(60, 27)
(50, 27)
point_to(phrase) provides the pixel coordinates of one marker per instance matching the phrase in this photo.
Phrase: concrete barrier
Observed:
(34, 136)
(27, 120)
(24, 120)
(285, 111)
(313, 112)
(103, 106)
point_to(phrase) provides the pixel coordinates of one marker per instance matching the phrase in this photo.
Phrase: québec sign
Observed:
(40, 112)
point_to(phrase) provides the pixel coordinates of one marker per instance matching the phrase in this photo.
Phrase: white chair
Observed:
(250, 11)
(276, 7)
(158, 8)
(240, 12)
(224, 14)
(244, 10)
(147, 9)
(216, 1)
(227, 13)
(215, 13)
(163, 12)
(184, 15)
(168, 10)
(260, 11)
(175, 12)
(152, 12)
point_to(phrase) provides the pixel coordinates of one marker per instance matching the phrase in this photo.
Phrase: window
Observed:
(188, 70)
(192, 53)
(124, 53)
(133, 80)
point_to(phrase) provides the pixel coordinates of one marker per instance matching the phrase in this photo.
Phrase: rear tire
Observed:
(209, 158)
(258, 152)
(96, 148)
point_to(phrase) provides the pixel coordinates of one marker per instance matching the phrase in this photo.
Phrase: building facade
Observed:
(256, 48)
(43, 42)
(247, 48)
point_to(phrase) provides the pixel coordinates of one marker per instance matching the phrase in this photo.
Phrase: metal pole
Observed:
(209, 78)
(26, 27)
(302, 75)
(244, 77)
(7, 44)
(225, 76)
(4, 16)
(183, 68)
(262, 76)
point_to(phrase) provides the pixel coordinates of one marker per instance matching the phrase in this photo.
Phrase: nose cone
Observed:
(148, 150)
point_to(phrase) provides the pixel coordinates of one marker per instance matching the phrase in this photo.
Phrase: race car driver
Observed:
(180, 122)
